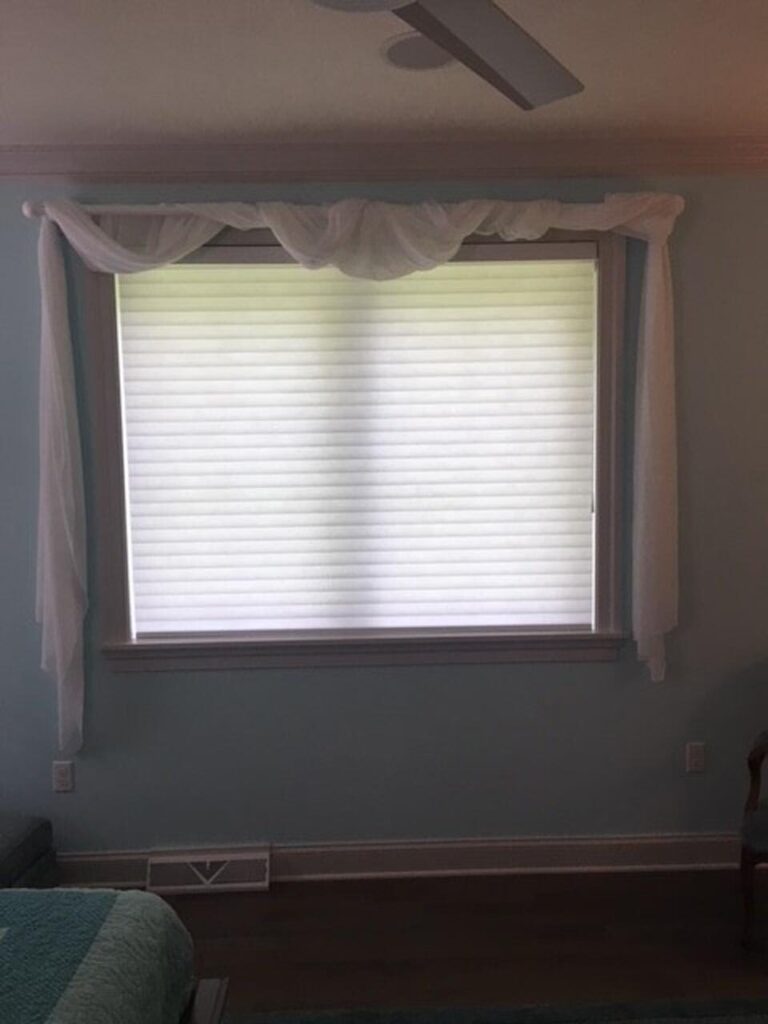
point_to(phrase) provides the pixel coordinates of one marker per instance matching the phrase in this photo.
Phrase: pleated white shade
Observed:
(309, 451)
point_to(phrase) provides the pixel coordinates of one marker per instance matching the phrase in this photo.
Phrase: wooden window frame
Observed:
(397, 647)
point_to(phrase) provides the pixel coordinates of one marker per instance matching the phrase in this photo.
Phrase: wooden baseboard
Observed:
(501, 856)
(412, 859)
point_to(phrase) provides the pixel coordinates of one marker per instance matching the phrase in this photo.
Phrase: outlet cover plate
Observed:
(695, 757)
(63, 776)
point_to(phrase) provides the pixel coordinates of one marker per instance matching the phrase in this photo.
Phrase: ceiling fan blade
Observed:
(491, 44)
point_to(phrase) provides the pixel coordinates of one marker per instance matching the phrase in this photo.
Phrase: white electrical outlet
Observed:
(63, 776)
(695, 757)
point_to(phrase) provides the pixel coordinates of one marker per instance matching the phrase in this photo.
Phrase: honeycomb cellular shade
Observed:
(305, 451)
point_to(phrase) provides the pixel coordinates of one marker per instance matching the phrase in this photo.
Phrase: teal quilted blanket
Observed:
(71, 956)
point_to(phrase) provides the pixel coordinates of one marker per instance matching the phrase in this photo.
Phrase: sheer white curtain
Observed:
(364, 239)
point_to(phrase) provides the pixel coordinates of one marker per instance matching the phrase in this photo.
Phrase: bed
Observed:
(71, 956)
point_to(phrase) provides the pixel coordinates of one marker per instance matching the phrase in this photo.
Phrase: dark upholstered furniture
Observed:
(27, 857)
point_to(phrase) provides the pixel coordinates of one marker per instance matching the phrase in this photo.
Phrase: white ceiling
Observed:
(146, 71)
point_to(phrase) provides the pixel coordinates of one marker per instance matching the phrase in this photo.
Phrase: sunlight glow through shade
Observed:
(307, 451)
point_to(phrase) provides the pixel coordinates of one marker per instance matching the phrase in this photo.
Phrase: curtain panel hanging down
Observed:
(364, 239)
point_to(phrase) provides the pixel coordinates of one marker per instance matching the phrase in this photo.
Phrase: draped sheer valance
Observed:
(364, 239)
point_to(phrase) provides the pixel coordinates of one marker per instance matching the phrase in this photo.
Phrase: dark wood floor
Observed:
(526, 939)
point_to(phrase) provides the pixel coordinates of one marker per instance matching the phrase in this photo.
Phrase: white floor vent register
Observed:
(205, 871)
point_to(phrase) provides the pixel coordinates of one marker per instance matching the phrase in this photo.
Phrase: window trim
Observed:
(247, 650)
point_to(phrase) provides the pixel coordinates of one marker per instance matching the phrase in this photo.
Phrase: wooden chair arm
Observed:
(755, 765)
(753, 796)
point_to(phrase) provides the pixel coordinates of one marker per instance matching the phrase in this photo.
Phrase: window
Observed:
(310, 466)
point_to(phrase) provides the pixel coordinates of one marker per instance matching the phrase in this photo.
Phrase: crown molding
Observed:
(405, 160)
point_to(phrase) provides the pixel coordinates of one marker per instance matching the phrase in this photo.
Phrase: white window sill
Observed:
(209, 653)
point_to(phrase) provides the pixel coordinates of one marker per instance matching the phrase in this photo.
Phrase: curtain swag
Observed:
(364, 239)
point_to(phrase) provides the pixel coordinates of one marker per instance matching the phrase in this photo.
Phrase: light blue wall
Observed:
(437, 751)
